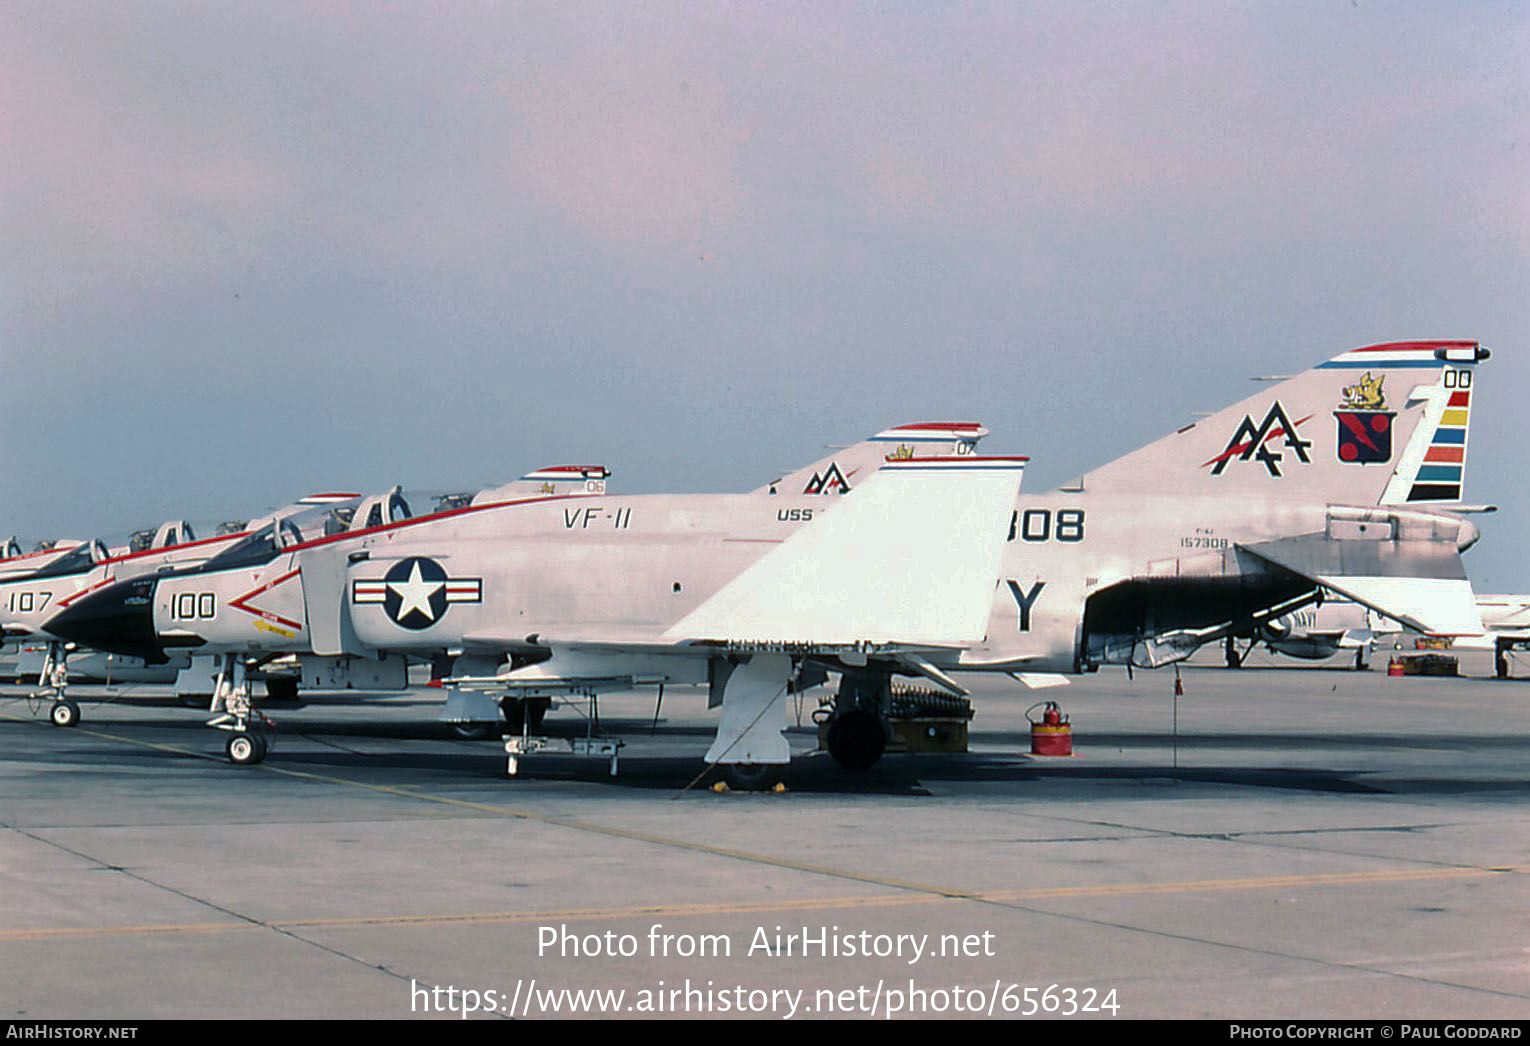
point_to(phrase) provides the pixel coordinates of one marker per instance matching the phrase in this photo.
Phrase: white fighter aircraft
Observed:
(1333, 479)
(1507, 623)
(1341, 477)
(35, 588)
(585, 592)
(1340, 624)
(233, 626)
(1506, 627)
(475, 712)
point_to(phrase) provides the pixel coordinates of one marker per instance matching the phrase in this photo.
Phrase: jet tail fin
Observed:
(1385, 424)
(850, 466)
(912, 559)
(552, 479)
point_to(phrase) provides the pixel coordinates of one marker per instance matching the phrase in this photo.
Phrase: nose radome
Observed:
(119, 618)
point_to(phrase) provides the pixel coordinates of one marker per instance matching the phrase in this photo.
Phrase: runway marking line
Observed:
(917, 892)
(800, 904)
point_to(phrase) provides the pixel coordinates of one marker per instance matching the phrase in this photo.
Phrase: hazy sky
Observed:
(250, 250)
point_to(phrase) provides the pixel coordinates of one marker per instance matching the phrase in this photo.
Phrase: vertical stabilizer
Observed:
(1385, 424)
(850, 466)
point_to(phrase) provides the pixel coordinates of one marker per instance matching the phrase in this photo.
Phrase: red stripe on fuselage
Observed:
(85, 591)
(240, 603)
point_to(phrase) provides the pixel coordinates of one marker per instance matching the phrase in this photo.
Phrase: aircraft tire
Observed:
(752, 777)
(856, 739)
(64, 713)
(514, 710)
(524, 712)
(473, 731)
(536, 709)
(245, 749)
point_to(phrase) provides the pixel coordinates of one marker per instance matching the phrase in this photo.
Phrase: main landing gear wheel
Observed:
(752, 777)
(524, 714)
(64, 713)
(473, 731)
(856, 739)
(246, 749)
(536, 709)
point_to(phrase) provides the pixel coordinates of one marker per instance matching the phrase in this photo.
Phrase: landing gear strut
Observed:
(54, 679)
(1230, 652)
(249, 741)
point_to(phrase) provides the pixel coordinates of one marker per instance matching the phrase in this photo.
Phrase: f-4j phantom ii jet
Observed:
(239, 624)
(587, 591)
(1333, 479)
(1339, 478)
(36, 588)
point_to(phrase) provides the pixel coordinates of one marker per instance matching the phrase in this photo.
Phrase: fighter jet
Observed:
(33, 593)
(474, 711)
(1339, 478)
(35, 588)
(581, 592)
(1506, 627)
(247, 635)
(1340, 624)
(1333, 479)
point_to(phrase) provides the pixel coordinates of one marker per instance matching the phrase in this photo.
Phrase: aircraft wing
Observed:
(911, 560)
(904, 570)
(1419, 582)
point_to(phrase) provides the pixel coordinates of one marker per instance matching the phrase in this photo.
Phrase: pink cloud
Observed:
(632, 148)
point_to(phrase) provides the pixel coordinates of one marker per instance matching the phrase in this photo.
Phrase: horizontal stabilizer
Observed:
(1417, 582)
(912, 558)
(1039, 680)
(1434, 606)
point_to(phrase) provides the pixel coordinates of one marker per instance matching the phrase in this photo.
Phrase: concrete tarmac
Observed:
(1311, 843)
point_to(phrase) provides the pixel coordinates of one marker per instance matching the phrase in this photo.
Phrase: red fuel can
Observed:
(1052, 735)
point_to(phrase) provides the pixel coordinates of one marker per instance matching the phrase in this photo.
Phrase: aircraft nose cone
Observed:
(119, 618)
